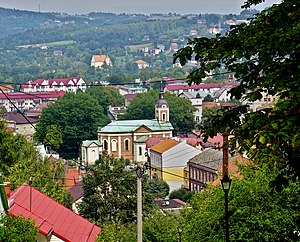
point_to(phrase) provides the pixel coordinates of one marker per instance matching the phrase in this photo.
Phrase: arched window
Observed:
(140, 151)
(113, 145)
(126, 144)
(105, 145)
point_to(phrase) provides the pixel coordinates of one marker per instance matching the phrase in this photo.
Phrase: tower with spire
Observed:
(162, 107)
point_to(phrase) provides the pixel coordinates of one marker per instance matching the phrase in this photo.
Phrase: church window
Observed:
(105, 145)
(126, 144)
(113, 145)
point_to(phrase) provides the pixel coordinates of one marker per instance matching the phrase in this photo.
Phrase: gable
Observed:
(143, 129)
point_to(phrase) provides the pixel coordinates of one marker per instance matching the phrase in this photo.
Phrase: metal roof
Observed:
(51, 216)
(128, 126)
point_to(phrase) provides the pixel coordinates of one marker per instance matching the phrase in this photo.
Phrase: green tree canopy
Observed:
(110, 193)
(264, 55)
(257, 212)
(18, 229)
(181, 110)
(78, 116)
(106, 96)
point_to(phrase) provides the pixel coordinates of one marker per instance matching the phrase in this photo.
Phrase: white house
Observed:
(100, 60)
(142, 64)
(196, 99)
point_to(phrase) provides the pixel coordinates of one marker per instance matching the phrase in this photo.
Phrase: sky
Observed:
(132, 6)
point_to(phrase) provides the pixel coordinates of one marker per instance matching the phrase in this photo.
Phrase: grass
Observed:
(50, 44)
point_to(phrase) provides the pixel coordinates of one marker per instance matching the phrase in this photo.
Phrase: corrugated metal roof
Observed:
(164, 145)
(128, 126)
(51, 216)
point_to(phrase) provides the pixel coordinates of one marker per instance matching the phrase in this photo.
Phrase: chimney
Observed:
(7, 189)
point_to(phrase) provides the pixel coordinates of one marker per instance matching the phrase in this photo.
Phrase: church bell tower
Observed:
(162, 107)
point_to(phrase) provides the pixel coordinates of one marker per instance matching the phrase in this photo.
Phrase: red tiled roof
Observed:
(51, 216)
(21, 95)
(6, 87)
(174, 87)
(100, 58)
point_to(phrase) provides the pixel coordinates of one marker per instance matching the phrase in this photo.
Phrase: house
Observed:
(114, 112)
(142, 64)
(168, 159)
(196, 98)
(203, 168)
(193, 32)
(208, 88)
(223, 95)
(170, 205)
(24, 101)
(90, 151)
(20, 123)
(6, 88)
(174, 47)
(71, 84)
(123, 90)
(55, 222)
(76, 192)
(100, 60)
(127, 138)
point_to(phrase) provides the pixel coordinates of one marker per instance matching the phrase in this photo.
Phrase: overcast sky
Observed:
(132, 6)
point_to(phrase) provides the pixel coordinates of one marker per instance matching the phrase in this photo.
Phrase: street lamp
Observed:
(226, 182)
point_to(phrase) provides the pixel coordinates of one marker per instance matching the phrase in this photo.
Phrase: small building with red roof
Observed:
(54, 221)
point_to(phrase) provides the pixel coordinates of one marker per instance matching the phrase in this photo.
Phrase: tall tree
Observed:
(110, 193)
(181, 110)
(106, 96)
(78, 116)
(257, 211)
(18, 229)
(264, 55)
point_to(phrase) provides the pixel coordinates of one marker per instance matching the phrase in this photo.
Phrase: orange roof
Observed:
(141, 62)
(100, 58)
(6, 87)
(164, 145)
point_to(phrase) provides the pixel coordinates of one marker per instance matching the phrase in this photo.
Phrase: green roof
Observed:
(87, 143)
(127, 126)
(141, 139)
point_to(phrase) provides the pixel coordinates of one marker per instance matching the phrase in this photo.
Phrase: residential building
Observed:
(90, 151)
(131, 89)
(20, 123)
(170, 205)
(14, 101)
(203, 168)
(196, 98)
(6, 88)
(223, 95)
(142, 64)
(55, 85)
(113, 112)
(209, 88)
(127, 138)
(55, 222)
(168, 159)
(99, 60)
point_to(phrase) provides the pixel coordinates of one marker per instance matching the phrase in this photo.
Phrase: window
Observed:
(164, 117)
(126, 144)
(105, 145)
(114, 145)
(140, 151)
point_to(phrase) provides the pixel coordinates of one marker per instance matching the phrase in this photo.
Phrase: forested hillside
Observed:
(48, 45)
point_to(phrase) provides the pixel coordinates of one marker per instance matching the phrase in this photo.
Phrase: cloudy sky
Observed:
(132, 6)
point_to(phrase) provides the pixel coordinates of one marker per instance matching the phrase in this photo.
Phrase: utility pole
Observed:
(139, 173)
